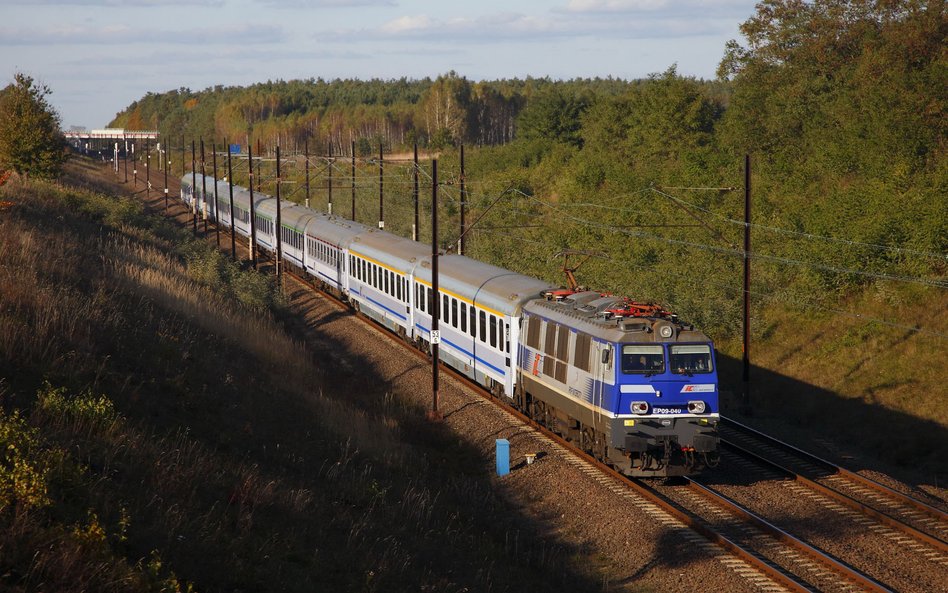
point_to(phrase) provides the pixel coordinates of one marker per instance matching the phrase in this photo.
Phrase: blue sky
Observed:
(100, 55)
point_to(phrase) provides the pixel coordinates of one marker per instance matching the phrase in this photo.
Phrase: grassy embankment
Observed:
(160, 431)
(856, 386)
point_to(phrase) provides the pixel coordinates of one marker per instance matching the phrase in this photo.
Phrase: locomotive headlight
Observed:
(639, 407)
(696, 407)
(666, 331)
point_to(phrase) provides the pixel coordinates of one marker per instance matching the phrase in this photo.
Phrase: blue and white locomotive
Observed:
(630, 383)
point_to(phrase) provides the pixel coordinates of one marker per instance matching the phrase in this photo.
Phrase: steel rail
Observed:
(844, 570)
(841, 471)
(865, 509)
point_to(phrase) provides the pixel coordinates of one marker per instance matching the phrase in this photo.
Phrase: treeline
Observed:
(841, 105)
(397, 113)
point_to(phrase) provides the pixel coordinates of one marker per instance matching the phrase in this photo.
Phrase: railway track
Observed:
(765, 555)
(908, 515)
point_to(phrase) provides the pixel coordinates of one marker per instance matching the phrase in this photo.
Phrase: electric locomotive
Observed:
(632, 384)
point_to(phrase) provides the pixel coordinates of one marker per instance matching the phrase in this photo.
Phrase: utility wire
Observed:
(741, 223)
(738, 252)
(806, 305)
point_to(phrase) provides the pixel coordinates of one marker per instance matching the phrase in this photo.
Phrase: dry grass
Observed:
(184, 439)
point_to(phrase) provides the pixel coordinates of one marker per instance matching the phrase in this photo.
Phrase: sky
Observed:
(97, 56)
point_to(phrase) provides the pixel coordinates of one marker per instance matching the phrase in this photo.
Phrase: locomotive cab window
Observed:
(691, 359)
(647, 360)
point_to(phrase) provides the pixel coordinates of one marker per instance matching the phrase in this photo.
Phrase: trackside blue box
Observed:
(503, 457)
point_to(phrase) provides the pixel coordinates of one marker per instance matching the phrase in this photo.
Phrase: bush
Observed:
(24, 465)
(93, 412)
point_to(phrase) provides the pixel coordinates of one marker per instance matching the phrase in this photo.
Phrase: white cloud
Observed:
(481, 29)
(513, 27)
(123, 34)
(326, 3)
(407, 24)
(615, 5)
(113, 3)
(693, 9)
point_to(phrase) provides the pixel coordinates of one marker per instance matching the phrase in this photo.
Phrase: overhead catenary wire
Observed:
(618, 229)
(795, 301)
(740, 223)
(739, 252)
(813, 236)
(400, 178)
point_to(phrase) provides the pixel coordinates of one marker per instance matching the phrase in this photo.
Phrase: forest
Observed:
(841, 106)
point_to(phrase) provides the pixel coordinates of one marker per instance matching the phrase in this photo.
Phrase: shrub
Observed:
(94, 412)
(24, 465)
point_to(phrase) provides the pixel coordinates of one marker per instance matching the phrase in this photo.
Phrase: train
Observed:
(630, 383)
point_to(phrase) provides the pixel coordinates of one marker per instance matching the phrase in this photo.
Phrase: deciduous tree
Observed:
(31, 141)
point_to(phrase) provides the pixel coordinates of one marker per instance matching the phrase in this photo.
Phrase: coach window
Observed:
(463, 318)
(483, 326)
(493, 331)
(454, 312)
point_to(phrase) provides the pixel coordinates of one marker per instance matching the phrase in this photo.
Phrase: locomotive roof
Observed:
(490, 286)
(584, 311)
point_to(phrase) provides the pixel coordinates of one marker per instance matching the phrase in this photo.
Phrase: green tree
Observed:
(553, 115)
(31, 141)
